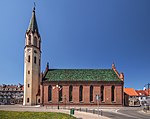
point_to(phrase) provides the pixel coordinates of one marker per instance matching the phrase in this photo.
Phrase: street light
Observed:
(58, 88)
(148, 87)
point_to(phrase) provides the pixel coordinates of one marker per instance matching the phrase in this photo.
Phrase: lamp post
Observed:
(58, 89)
(148, 87)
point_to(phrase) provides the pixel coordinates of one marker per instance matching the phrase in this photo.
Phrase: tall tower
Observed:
(32, 59)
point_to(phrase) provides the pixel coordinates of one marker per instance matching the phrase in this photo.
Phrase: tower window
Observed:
(102, 93)
(28, 85)
(35, 41)
(70, 92)
(91, 93)
(28, 58)
(29, 40)
(38, 100)
(80, 93)
(113, 93)
(35, 59)
(28, 100)
(28, 72)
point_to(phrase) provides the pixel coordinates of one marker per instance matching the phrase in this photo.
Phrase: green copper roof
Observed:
(33, 24)
(81, 75)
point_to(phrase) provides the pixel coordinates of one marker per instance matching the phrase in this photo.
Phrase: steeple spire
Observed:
(33, 23)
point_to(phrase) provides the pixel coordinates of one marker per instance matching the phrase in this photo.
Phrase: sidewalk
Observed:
(78, 114)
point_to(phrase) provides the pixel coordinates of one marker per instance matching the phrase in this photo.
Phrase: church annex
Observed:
(66, 86)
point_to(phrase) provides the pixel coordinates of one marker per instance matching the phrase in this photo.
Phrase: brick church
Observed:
(66, 86)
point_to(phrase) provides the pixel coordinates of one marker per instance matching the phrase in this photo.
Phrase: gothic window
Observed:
(60, 93)
(28, 72)
(113, 93)
(91, 93)
(35, 59)
(38, 100)
(70, 92)
(27, 100)
(50, 93)
(28, 58)
(80, 93)
(102, 93)
(29, 40)
(35, 41)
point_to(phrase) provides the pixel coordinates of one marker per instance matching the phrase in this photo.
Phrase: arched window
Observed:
(29, 40)
(49, 93)
(102, 93)
(60, 93)
(28, 58)
(27, 100)
(80, 93)
(35, 59)
(70, 92)
(38, 100)
(35, 41)
(113, 93)
(91, 93)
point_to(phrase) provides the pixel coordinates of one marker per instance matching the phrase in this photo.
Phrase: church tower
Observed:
(32, 62)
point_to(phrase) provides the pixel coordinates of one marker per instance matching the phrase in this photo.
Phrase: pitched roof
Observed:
(147, 92)
(33, 24)
(130, 92)
(81, 75)
(141, 93)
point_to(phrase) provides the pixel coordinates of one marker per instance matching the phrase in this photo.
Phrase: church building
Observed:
(82, 87)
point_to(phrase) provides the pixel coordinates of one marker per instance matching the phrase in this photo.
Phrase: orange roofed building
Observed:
(131, 97)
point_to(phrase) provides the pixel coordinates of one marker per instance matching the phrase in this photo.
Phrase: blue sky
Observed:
(79, 34)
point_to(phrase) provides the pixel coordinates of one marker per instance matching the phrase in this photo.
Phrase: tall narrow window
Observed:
(91, 93)
(113, 93)
(35, 59)
(29, 40)
(60, 93)
(28, 58)
(70, 92)
(35, 41)
(27, 100)
(80, 93)
(102, 93)
(49, 93)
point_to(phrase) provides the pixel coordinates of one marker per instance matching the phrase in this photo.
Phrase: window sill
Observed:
(91, 101)
(50, 101)
(70, 101)
(81, 101)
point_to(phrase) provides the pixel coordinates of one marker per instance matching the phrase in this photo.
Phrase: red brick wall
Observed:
(65, 93)
(75, 93)
(86, 93)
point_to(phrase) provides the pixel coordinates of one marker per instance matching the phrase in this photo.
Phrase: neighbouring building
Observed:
(131, 97)
(66, 86)
(11, 94)
(142, 96)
